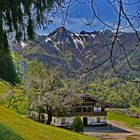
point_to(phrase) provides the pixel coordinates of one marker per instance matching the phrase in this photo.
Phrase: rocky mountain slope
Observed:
(84, 50)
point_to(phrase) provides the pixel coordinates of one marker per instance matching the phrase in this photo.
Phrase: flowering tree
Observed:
(47, 89)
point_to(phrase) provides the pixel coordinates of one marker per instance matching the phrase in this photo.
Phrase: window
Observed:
(78, 109)
(54, 120)
(42, 116)
(104, 118)
(103, 109)
(84, 109)
(90, 109)
(97, 109)
(63, 121)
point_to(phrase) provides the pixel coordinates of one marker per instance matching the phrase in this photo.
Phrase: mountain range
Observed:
(85, 50)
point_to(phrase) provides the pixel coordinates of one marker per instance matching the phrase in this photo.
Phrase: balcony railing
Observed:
(86, 114)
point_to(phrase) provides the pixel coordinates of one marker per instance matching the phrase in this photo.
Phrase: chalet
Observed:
(91, 111)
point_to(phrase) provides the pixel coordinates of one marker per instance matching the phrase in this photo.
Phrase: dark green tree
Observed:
(7, 69)
(23, 16)
(19, 18)
(77, 125)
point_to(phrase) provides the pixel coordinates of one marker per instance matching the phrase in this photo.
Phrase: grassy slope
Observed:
(8, 134)
(124, 119)
(4, 87)
(29, 129)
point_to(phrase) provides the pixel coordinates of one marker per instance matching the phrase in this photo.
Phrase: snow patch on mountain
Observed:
(93, 36)
(77, 42)
(23, 44)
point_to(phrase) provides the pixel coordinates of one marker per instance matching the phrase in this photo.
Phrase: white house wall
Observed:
(58, 120)
(91, 120)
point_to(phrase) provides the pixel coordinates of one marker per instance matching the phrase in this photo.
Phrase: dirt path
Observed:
(123, 126)
(119, 131)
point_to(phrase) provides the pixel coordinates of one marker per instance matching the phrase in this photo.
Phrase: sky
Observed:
(80, 14)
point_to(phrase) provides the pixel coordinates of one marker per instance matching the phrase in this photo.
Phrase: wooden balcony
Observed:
(85, 114)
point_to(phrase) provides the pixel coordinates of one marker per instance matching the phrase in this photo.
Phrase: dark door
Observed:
(85, 121)
(98, 120)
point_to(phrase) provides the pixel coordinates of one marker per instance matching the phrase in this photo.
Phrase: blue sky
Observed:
(80, 13)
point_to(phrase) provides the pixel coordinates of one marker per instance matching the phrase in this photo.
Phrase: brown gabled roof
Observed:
(94, 98)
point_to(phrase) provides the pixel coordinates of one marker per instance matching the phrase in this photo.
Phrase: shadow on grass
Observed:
(105, 129)
(8, 134)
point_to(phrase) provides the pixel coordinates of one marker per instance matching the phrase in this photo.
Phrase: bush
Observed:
(77, 125)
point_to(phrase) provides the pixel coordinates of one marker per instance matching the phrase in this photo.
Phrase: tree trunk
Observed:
(39, 117)
(49, 112)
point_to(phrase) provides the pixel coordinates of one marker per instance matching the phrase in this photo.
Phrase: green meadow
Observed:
(20, 127)
(123, 119)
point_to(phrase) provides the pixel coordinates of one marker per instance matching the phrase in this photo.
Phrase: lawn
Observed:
(28, 129)
(124, 119)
